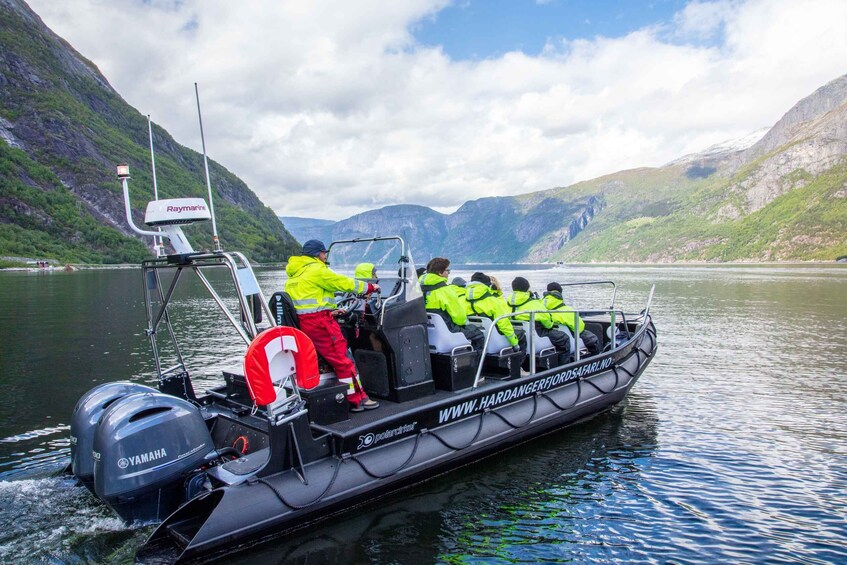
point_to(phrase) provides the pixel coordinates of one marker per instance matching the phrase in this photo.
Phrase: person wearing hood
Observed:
(522, 300)
(483, 302)
(442, 299)
(563, 315)
(460, 287)
(312, 286)
(366, 272)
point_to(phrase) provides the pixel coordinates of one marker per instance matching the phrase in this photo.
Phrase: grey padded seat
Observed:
(583, 351)
(441, 339)
(498, 342)
(540, 344)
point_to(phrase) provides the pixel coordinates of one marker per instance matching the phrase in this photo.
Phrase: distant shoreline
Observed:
(94, 267)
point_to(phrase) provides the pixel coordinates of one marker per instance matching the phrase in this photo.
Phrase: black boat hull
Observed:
(381, 457)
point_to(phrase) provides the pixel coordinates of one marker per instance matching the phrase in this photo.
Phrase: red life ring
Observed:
(259, 360)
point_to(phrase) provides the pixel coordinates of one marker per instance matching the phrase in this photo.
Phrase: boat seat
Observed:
(583, 351)
(441, 339)
(497, 342)
(541, 344)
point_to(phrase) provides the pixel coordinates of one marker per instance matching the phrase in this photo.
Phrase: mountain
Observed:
(488, 230)
(779, 195)
(308, 228)
(63, 129)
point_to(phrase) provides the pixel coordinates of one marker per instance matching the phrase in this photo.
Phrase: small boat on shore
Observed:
(275, 448)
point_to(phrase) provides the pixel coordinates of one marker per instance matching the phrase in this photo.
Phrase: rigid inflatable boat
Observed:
(275, 447)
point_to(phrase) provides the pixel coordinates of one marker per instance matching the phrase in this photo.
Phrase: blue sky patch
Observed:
(482, 29)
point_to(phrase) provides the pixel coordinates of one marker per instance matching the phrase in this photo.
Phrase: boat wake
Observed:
(56, 521)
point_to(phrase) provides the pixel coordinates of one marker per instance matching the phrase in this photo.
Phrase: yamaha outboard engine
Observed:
(84, 422)
(145, 447)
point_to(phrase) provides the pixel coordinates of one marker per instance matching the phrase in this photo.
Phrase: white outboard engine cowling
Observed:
(84, 422)
(145, 447)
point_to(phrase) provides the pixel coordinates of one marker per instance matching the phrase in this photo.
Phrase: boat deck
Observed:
(389, 411)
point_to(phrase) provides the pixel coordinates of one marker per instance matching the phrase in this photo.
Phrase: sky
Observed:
(327, 109)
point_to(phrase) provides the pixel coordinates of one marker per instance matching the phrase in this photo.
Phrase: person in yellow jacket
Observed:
(366, 272)
(312, 286)
(461, 288)
(441, 298)
(564, 316)
(483, 302)
(522, 300)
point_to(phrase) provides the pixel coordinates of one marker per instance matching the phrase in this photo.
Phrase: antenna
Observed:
(158, 243)
(168, 215)
(206, 166)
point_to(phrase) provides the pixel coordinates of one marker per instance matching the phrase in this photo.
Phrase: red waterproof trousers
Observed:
(325, 333)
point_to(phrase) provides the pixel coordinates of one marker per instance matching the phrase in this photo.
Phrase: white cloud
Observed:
(326, 109)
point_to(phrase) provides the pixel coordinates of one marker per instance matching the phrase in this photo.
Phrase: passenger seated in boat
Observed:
(553, 301)
(442, 299)
(496, 287)
(460, 285)
(482, 301)
(366, 272)
(312, 286)
(522, 300)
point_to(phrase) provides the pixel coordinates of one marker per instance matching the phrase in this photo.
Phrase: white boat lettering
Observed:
(520, 391)
(456, 411)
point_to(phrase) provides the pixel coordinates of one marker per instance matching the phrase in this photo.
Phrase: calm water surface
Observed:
(732, 447)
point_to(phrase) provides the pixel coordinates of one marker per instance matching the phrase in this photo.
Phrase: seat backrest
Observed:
(282, 307)
(441, 339)
(497, 342)
(567, 331)
(539, 343)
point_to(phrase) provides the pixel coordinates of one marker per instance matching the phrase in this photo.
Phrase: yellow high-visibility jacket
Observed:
(312, 284)
(553, 301)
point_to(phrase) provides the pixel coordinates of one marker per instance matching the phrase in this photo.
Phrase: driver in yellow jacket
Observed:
(312, 286)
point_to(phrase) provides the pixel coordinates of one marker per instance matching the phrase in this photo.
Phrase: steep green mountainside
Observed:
(782, 199)
(62, 130)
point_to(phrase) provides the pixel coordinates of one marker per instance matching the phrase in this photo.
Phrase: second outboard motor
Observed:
(86, 416)
(144, 448)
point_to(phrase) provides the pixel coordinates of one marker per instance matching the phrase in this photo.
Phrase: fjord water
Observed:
(732, 447)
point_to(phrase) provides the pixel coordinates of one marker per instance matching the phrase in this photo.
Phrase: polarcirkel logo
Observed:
(371, 439)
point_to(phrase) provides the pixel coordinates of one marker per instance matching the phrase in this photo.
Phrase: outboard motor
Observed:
(84, 422)
(145, 447)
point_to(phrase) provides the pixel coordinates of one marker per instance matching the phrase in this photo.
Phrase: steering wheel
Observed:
(347, 301)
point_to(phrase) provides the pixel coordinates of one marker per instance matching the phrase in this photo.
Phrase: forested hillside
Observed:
(62, 131)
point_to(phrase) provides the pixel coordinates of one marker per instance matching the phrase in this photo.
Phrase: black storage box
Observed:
(327, 403)
(548, 360)
(454, 372)
(506, 366)
(236, 388)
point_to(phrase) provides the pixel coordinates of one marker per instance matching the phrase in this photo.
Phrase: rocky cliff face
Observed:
(62, 130)
(809, 139)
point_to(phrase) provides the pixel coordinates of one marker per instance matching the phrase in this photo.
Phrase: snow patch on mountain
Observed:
(723, 148)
